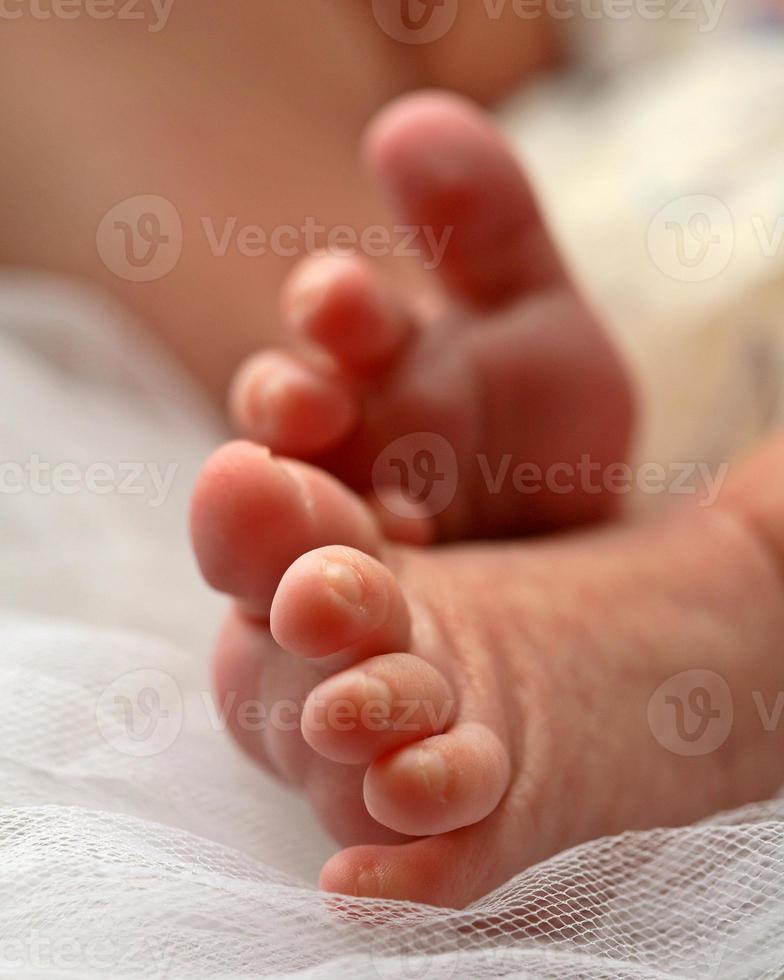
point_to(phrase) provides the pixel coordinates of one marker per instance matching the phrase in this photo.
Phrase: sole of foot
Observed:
(498, 363)
(457, 714)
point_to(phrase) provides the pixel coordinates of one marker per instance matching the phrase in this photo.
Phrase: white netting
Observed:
(184, 861)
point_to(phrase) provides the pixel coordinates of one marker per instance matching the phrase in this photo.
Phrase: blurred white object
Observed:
(665, 188)
(100, 442)
(609, 35)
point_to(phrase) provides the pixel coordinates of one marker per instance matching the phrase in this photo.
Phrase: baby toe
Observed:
(339, 599)
(449, 870)
(290, 406)
(381, 704)
(253, 515)
(449, 173)
(439, 784)
(342, 304)
(407, 873)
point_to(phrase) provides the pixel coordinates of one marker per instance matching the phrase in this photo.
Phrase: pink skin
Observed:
(465, 712)
(507, 359)
(530, 668)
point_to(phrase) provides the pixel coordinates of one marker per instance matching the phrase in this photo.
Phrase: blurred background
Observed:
(254, 113)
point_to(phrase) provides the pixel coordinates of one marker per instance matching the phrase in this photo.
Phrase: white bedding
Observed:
(134, 840)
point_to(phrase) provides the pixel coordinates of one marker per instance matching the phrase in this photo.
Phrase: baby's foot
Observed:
(456, 715)
(507, 364)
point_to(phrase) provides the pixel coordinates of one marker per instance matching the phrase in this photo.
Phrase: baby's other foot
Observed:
(456, 715)
(507, 364)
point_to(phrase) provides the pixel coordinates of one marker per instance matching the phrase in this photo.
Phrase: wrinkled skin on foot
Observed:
(463, 712)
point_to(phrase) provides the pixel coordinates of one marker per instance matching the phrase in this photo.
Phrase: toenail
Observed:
(306, 295)
(270, 390)
(267, 401)
(367, 884)
(377, 703)
(345, 581)
(434, 772)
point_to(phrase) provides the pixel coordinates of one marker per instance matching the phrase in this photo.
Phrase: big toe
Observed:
(253, 515)
(449, 173)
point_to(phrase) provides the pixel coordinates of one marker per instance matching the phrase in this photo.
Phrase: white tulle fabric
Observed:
(136, 842)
